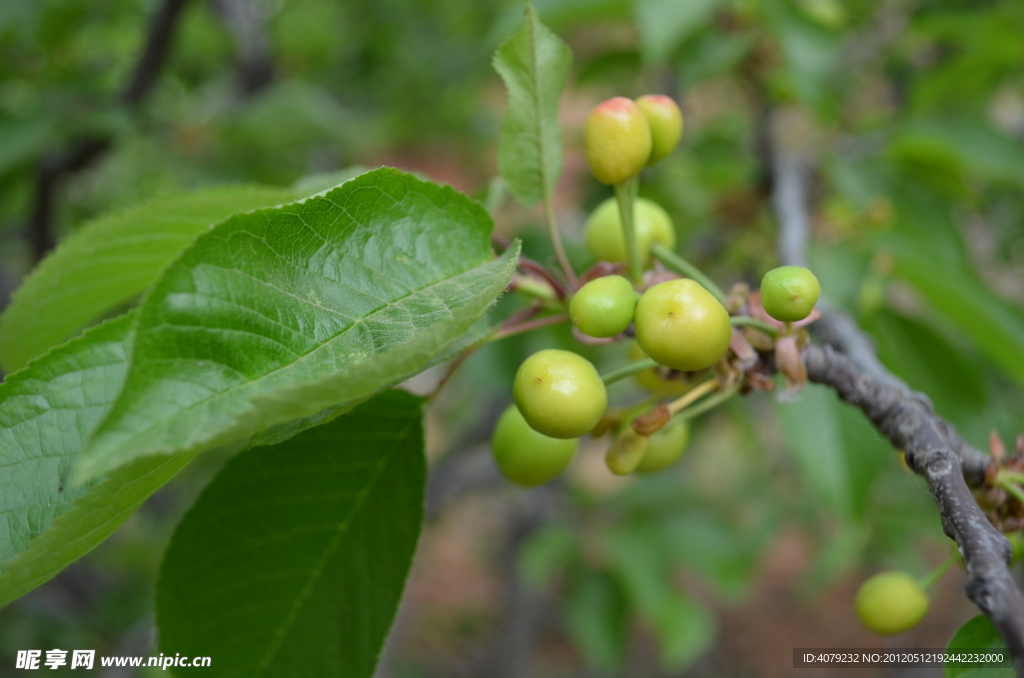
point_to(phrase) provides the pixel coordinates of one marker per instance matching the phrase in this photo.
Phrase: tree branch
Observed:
(849, 364)
(54, 167)
(925, 438)
(836, 328)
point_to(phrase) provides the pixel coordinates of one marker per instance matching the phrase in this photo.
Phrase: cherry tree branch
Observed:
(791, 173)
(924, 436)
(849, 364)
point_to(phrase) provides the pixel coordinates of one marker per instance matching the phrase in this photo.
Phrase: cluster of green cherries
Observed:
(678, 323)
(559, 395)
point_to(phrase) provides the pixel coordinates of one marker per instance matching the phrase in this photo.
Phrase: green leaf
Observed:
(977, 634)
(286, 312)
(46, 411)
(810, 51)
(110, 261)
(534, 64)
(684, 629)
(596, 615)
(302, 545)
(664, 24)
(814, 433)
(993, 326)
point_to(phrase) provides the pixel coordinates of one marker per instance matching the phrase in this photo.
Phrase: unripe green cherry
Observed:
(626, 452)
(604, 306)
(789, 293)
(891, 602)
(665, 447)
(666, 123)
(681, 325)
(617, 140)
(559, 393)
(526, 457)
(651, 224)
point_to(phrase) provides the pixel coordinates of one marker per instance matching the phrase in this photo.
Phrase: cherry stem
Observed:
(929, 579)
(455, 365)
(677, 264)
(694, 395)
(707, 404)
(1008, 480)
(532, 287)
(745, 320)
(532, 266)
(626, 370)
(556, 237)
(515, 324)
(519, 328)
(1007, 475)
(624, 195)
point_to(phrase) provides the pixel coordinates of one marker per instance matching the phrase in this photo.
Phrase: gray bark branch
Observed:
(924, 436)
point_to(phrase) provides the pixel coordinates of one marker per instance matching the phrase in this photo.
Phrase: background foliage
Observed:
(912, 113)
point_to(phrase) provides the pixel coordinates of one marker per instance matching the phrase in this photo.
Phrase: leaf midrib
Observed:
(329, 552)
(538, 96)
(357, 322)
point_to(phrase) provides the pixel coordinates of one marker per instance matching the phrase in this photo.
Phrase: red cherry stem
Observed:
(519, 328)
(532, 266)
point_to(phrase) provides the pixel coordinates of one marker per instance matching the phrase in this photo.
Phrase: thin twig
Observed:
(532, 266)
(54, 167)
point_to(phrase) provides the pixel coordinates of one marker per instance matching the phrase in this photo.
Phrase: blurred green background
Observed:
(909, 118)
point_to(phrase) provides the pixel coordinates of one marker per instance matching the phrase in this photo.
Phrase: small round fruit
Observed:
(559, 393)
(604, 306)
(626, 452)
(617, 140)
(526, 457)
(891, 602)
(651, 224)
(789, 293)
(681, 325)
(666, 123)
(665, 447)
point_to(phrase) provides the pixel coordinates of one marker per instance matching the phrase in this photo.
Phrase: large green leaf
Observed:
(283, 313)
(46, 411)
(304, 545)
(664, 24)
(110, 261)
(534, 64)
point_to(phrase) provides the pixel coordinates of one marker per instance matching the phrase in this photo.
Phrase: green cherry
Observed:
(681, 325)
(526, 457)
(665, 447)
(604, 306)
(789, 293)
(559, 393)
(891, 602)
(616, 140)
(666, 123)
(651, 224)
